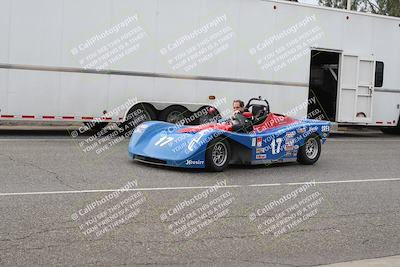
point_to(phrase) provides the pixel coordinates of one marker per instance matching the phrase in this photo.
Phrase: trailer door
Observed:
(356, 89)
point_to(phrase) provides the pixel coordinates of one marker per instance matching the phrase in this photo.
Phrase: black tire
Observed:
(212, 163)
(95, 126)
(136, 115)
(391, 130)
(307, 154)
(175, 114)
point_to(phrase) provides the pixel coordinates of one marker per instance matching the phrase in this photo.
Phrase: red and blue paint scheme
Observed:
(277, 138)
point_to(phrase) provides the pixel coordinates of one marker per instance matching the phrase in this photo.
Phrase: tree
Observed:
(383, 7)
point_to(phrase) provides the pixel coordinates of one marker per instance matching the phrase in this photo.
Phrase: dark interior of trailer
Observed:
(323, 85)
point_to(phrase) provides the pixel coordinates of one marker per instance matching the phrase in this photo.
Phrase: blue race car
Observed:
(256, 136)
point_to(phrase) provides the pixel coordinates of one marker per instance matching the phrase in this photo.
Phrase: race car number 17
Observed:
(276, 146)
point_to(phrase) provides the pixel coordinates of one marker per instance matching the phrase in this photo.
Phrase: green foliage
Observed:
(383, 7)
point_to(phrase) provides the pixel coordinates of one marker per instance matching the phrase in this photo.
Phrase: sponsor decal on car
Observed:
(261, 156)
(195, 141)
(290, 134)
(325, 128)
(259, 141)
(313, 129)
(194, 162)
(253, 141)
(289, 141)
(260, 150)
(301, 130)
(289, 148)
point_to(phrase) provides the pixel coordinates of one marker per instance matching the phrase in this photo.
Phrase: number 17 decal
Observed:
(276, 146)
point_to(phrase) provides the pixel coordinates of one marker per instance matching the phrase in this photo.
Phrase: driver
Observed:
(238, 106)
(238, 121)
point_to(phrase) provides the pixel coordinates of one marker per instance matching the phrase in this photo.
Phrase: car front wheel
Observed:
(218, 154)
(309, 153)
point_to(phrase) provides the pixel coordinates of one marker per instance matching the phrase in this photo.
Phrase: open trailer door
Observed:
(356, 89)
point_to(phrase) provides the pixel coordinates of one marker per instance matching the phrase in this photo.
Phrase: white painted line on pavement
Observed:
(83, 138)
(195, 187)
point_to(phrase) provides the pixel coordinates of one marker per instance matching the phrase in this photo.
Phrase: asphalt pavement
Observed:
(63, 204)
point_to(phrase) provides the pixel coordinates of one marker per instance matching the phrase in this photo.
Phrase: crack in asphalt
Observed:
(358, 214)
(40, 248)
(56, 175)
(268, 262)
(36, 233)
(171, 263)
(312, 230)
(209, 260)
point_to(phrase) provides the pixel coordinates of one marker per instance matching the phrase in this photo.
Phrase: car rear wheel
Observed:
(218, 154)
(309, 153)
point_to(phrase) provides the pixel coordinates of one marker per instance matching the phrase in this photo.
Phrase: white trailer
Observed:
(78, 60)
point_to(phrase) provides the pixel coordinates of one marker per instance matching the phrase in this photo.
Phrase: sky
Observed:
(312, 2)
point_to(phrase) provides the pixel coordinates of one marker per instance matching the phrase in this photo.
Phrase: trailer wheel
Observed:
(175, 114)
(95, 126)
(137, 114)
(309, 153)
(218, 154)
(391, 130)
